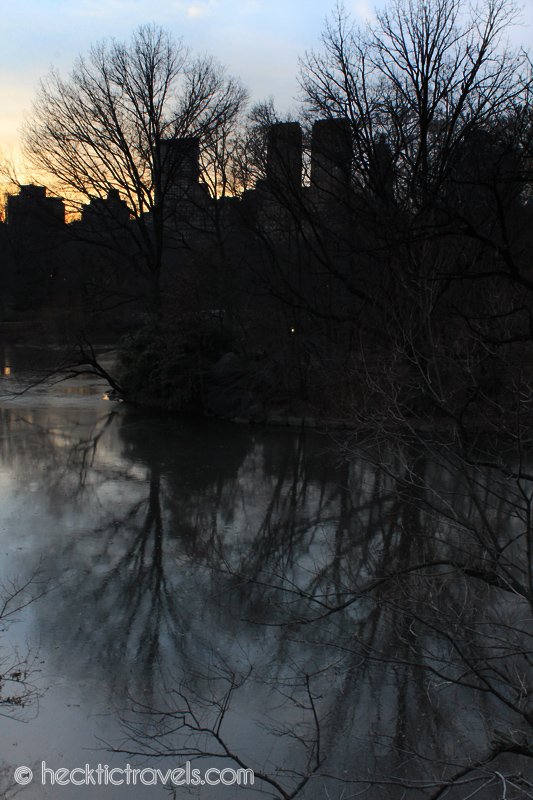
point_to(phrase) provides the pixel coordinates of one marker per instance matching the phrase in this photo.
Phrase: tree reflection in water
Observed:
(362, 627)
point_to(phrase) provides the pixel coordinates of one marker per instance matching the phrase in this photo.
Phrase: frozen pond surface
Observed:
(202, 588)
(138, 529)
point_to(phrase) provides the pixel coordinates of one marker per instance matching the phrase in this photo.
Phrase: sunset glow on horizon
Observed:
(259, 42)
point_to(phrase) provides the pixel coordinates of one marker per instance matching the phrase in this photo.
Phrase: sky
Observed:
(259, 40)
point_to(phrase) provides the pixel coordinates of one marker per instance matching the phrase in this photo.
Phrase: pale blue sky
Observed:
(259, 40)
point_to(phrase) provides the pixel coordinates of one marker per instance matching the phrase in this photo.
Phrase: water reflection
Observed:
(239, 592)
(5, 360)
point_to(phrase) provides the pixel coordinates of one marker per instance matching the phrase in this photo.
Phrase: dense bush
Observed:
(164, 363)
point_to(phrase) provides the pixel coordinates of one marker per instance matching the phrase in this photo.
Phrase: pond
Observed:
(221, 594)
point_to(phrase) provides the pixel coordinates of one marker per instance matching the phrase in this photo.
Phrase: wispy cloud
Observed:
(199, 9)
(363, 10)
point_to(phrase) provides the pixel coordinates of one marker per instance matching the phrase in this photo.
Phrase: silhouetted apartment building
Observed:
(284, 157)
(331, 159)
(186, 198)
(106, 214)
(300, 207)
(34, 238)
(32, 206)
(180, 166)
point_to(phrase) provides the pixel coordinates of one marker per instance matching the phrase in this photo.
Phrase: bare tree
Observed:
(426, 75)
(19, 695)
(111, 127)
(436, 247)
(408, 180)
